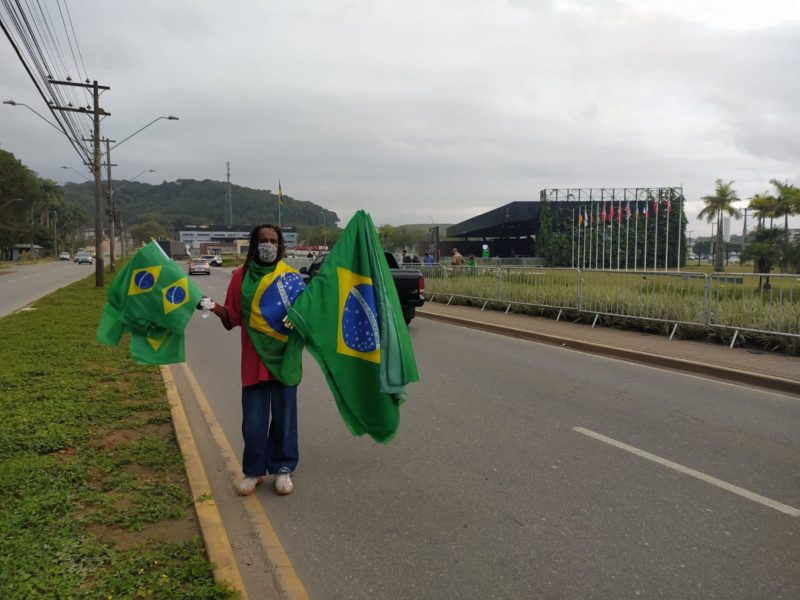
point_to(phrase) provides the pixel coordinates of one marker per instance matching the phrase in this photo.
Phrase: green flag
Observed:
(267, 293)
(152, 299)
(351, 321)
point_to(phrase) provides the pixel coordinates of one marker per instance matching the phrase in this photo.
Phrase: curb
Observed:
(218, 547)
(677, 364)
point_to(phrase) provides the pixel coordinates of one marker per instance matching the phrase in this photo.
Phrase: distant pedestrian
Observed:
(456, 258)
(406, 257)
(472, 264)
(428, 259)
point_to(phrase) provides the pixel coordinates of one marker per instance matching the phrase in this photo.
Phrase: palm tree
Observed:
(715, 206)
(763, 206)
(786, 202)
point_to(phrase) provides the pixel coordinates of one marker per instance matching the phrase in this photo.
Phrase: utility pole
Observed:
(744, 229)
(230, 202)
(55, 233)
(99, 274)
(112, 210)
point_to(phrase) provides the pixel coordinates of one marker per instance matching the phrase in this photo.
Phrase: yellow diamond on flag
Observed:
(155, 343)
(143, 280)
(359, 328)
(175, 295)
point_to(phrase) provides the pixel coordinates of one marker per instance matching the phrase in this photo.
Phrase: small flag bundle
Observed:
(153, 300)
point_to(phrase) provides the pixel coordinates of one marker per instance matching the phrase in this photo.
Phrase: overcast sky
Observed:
(417, 110)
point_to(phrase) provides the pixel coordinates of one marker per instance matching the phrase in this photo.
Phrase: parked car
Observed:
(215, 260)
(410, 283)
(84, 258)
(65, 256)
(199, 266)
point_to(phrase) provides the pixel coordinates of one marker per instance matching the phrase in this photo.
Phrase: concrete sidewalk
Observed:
(749, 366)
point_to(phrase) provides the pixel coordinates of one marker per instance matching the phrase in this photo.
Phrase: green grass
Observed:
(94, 501)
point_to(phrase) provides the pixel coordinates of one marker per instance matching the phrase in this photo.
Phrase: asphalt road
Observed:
(490, 491)
(22, 284)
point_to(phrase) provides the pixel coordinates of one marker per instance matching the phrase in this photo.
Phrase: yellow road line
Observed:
(218, 546)
(286, 576)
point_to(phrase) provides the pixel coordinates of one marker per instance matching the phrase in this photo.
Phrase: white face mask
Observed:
(267, 253)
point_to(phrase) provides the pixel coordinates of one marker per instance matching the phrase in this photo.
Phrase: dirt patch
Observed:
(171, 531)
(126, 436)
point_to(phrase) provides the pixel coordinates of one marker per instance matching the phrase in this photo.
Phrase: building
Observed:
(202, 237)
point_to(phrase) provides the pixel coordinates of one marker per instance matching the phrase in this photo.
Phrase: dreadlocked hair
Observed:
(252, 249)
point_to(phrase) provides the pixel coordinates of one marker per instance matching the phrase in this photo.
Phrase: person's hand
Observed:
(287, 323)
(205, 303)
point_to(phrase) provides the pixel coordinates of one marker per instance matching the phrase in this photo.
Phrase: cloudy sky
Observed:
(418, 110)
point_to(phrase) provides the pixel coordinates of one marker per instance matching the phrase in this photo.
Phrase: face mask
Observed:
(267, 253)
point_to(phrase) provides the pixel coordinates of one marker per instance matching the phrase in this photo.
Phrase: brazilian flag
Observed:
(152, 299)
(350, 318)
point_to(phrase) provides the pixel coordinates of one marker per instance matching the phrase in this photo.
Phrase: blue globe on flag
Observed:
(144, 280)
(278, 297)
(175, 294)
(360, 324)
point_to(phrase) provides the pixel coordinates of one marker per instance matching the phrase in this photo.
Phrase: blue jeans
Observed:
(269, 447)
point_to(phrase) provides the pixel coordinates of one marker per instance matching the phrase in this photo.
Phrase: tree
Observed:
(142, 232)
(764, 249)
(763, 207)
(787, 203)
(716, 206)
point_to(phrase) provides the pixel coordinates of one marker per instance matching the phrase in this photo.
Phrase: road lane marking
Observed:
(285, 573)
(218, 545)
(784, 508)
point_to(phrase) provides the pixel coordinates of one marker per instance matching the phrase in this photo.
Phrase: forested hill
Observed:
(192, 202)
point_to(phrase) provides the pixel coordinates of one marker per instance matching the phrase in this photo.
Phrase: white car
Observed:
(215, 260)
(65, 256)
(198, 266)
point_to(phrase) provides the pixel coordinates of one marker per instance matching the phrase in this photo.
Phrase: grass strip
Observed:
(94, 501)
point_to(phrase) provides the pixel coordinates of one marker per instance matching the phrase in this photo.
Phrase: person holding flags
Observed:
(258, 297)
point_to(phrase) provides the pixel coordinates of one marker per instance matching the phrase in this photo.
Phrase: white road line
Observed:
(789, 510)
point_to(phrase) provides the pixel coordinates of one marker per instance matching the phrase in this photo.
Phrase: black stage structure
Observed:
(511, 230)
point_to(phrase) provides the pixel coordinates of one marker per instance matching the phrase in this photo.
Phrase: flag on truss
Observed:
(628, 211)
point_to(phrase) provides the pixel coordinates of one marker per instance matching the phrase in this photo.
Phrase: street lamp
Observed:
(78, 172)
(324, 228)
(109, 148)
(113, 207)
(10, 201)
(43, 118)
(169, 118)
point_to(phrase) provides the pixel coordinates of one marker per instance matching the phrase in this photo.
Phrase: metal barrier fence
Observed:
(735, 301)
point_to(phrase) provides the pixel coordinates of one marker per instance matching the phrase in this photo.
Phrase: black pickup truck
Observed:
(410, 283)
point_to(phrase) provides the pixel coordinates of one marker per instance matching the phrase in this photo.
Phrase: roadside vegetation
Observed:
(635, 300)
(94, 501)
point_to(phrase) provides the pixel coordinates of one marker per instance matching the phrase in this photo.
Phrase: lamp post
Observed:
(43, 118)
(10, 201)
(110, 192)
(115, 213)
(168, 118)
(55, 233)
(78, 172)
(324, 228)
(433, 243)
